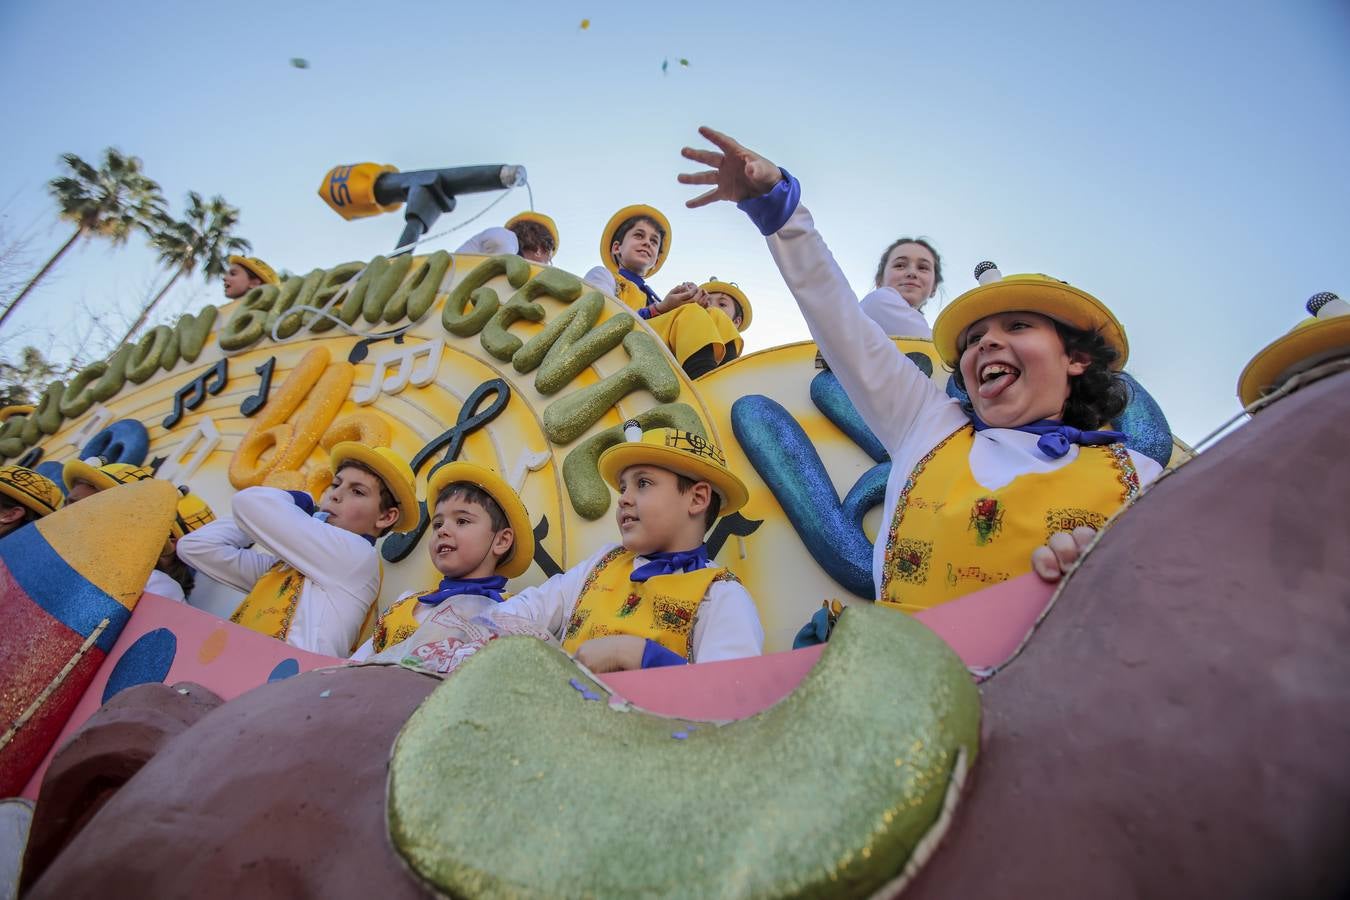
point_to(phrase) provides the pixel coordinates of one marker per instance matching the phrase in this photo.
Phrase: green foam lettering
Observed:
(548, 283)
(567, 418)
(585, 488)
(332, 282)
(245, 327)
(145, 356)
(471, 304)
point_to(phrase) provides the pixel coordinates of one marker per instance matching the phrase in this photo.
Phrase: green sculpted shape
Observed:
(11, 437)
(114, 376)
(349, 310)
(567, 418)
(415, 296)
(282, 323)
(79, 394)
(47, 419)
(246, 325)
(146, 355)
(191, 332)
(332, 282)
(383, 287)
(585, 487)
(553, 283)
(470, 305)
(570, 343)
(826, 793)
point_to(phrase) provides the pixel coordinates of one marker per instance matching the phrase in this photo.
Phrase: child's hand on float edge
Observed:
(1060, 554)
(612, 653)
(738, 172)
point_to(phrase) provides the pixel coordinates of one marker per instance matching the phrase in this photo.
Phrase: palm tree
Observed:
(202, 238)
(108, 202)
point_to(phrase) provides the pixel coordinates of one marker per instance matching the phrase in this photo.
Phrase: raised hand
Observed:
(739, 173)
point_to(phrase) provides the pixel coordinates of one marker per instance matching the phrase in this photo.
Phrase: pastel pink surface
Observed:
(237, 660)
(984, 628)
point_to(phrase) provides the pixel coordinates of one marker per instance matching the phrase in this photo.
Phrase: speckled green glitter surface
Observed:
(508, 782)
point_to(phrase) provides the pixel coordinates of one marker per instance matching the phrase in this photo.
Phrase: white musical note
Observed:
(178, 467)
(527, 462)
(99, 417)
(405, 357)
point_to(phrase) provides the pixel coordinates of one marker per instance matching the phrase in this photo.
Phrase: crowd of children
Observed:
(1014, 476)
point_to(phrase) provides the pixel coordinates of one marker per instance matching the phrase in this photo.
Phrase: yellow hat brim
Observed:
(1033, 293)
(78, 470)
(404, 495)
(1311, 342)
(30, 501)
(522, 553)
(633, 453)
(259, 268)
(732, 290)
(541, 219)
(623, 215)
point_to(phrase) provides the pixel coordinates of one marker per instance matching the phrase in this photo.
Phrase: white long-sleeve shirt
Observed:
(893, 313)
(726, 626)
(492, 242)
(163, 584)
(341, 569)
(467, 605)
(906, 410)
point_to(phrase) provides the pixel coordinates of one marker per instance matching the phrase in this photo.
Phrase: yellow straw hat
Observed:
(27, 488)
(193, 513)
(100, 475)
(1042, 294)
(682, 452)
(522, 551)
(732, 290)
(623, 215)
(257, 267)
(538, 218)
(1311, 341)
(393, 470)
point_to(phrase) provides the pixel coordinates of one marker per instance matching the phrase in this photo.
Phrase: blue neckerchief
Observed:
(490, 587)
(667, 563)
(1056, 437)
(641, 284)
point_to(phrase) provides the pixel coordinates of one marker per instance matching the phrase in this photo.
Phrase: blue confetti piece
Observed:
(680, 735)
(580, 688)
(287, 668)
(147, 661)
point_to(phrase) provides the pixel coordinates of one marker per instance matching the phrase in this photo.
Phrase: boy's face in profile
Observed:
(653, 516)
(353, 502)
(639, 248)
(727, 304)
(238, 281)
(463, 544)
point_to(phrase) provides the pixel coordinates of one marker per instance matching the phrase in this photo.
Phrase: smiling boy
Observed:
(634, 246)
(480, 536)
(656, 599)
(315, 587)
(246, 273)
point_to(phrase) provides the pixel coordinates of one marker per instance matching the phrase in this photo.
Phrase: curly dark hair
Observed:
(533, 236)
(1095, 397)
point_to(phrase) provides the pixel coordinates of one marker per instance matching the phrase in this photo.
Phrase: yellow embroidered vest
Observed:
(950, 536)
(663, 608)
(398, 622)
(270, 606)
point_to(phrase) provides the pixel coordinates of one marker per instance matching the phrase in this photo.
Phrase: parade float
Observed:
(1163, 723)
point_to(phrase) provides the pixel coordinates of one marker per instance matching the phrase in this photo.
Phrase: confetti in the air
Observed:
(299, 62)
(585, 24)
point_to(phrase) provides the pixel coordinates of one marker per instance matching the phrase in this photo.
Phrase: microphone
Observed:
(987, 273)
(368, 189)
(1326, 305)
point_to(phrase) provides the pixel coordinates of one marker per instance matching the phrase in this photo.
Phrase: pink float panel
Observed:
(985, 629)
(215, 653)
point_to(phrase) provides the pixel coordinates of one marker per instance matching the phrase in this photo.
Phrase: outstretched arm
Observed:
(890, 392)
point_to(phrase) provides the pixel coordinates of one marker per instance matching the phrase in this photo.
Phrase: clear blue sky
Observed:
(1185, 162)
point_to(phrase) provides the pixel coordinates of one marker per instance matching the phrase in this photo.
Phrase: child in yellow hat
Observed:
(246, 273)
(977, 494)
(530, 235)
(171, 577)
(633, 247)
(25, 496)
(908, 276)
(322, 576)
(655, 599)
(480, 536)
